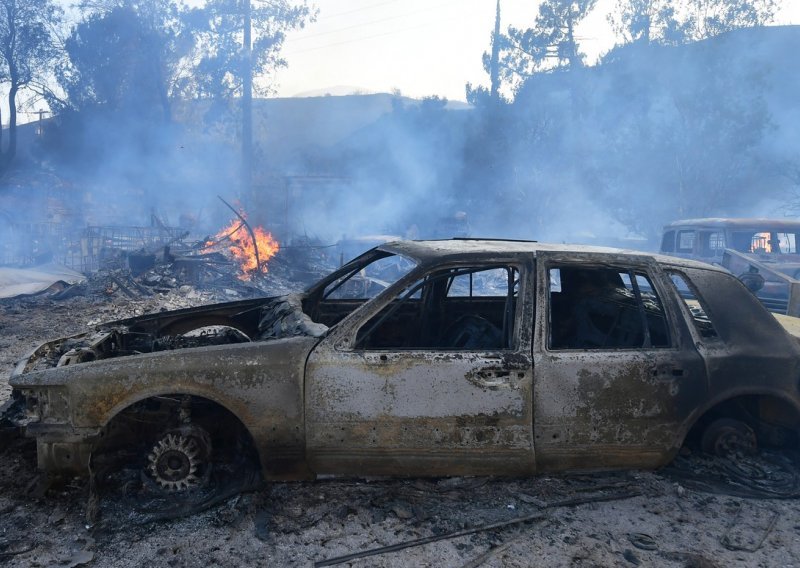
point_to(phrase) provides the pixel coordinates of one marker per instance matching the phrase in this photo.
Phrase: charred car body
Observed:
(763, 253)
(420, 358)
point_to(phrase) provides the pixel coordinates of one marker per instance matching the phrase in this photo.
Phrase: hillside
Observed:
(285, 127)
(654, 133)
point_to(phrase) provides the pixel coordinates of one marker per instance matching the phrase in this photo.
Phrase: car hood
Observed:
(261, 319)
(786, 263)
(790, 324)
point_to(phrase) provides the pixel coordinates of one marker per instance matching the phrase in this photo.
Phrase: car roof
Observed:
(736, 223)
(451, 249)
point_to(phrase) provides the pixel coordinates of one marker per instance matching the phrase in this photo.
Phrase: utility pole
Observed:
(495, 68)
(39, 126)
(247, 105)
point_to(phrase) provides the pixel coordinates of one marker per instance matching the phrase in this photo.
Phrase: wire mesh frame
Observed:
(81, 250)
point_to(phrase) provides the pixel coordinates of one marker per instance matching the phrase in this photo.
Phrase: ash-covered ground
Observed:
(699, 513)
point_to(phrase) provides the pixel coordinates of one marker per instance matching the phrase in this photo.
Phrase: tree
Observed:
(476, 95)
(680, 147)
(671, 23)
(182, 53)
(217, 60)
(550, 44)
(236, 41)
(709, 18)
(648, 21)
(113, 66)
(125, 52)
(26, 52)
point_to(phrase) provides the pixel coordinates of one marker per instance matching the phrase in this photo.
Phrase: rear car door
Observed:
(616, 369)
(432, 378)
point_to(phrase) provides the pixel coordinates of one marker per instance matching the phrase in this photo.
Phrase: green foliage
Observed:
(130, 66)
(25, 42)
(673, 22)
(117, 63)
(649, 21)
(135, 56)
(654, 134)
(217, 59)
(26, 51)
(713, 17)
(551, 43)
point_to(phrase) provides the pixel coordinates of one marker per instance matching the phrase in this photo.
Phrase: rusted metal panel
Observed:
(414, 413)
(260, 383)
(69, 457)
(604, 407)
(423, 412)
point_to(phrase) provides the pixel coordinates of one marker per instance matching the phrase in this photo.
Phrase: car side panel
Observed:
(613, 408)
(418, 413)
(754, 353)
(261, 383)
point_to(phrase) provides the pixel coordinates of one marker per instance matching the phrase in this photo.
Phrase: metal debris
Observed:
(573, 501)
(492, 552)
(770, 474)
(569, 502)
(643, 541)
(427, 540)
(749, 528)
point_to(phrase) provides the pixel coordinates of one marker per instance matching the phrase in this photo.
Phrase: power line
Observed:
(362, 9)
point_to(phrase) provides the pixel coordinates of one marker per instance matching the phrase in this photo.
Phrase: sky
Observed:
(419, 47)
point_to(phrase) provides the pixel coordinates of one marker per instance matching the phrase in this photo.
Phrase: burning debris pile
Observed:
(251, 248)
(210, 276)
(239, 261)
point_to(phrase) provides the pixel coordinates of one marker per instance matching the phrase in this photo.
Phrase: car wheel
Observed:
(727, 436)
(180, 459)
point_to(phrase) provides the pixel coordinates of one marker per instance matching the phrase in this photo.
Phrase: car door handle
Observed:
(666, 372)
(490, 377)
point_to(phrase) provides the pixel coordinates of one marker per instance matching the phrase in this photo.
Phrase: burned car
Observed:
(761, 252)
(426, 358)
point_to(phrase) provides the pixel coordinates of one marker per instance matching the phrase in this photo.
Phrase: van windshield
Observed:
(764, 241)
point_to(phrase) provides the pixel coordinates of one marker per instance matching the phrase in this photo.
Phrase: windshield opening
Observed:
(765, 241)
(345, 290)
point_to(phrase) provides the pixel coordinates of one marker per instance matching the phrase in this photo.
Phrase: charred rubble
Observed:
(140, 261)
(132, 263)
(141, 274)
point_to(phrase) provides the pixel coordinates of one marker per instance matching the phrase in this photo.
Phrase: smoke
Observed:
(600, 155)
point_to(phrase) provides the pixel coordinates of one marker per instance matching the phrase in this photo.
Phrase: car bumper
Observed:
(62, 449)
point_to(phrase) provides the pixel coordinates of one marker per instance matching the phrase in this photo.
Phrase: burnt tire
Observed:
(728, 436)
(180, 459)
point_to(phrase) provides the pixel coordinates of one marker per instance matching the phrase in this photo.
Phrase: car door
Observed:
(616, 369)
(431, 378)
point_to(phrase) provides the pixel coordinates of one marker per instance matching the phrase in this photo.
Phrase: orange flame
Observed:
(243, 250)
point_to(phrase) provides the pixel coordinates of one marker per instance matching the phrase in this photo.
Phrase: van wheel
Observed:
(728, 436)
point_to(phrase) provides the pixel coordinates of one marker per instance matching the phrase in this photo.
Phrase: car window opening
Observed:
(468, 308)
(353, 285)
(699, 314)
(604, 308)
